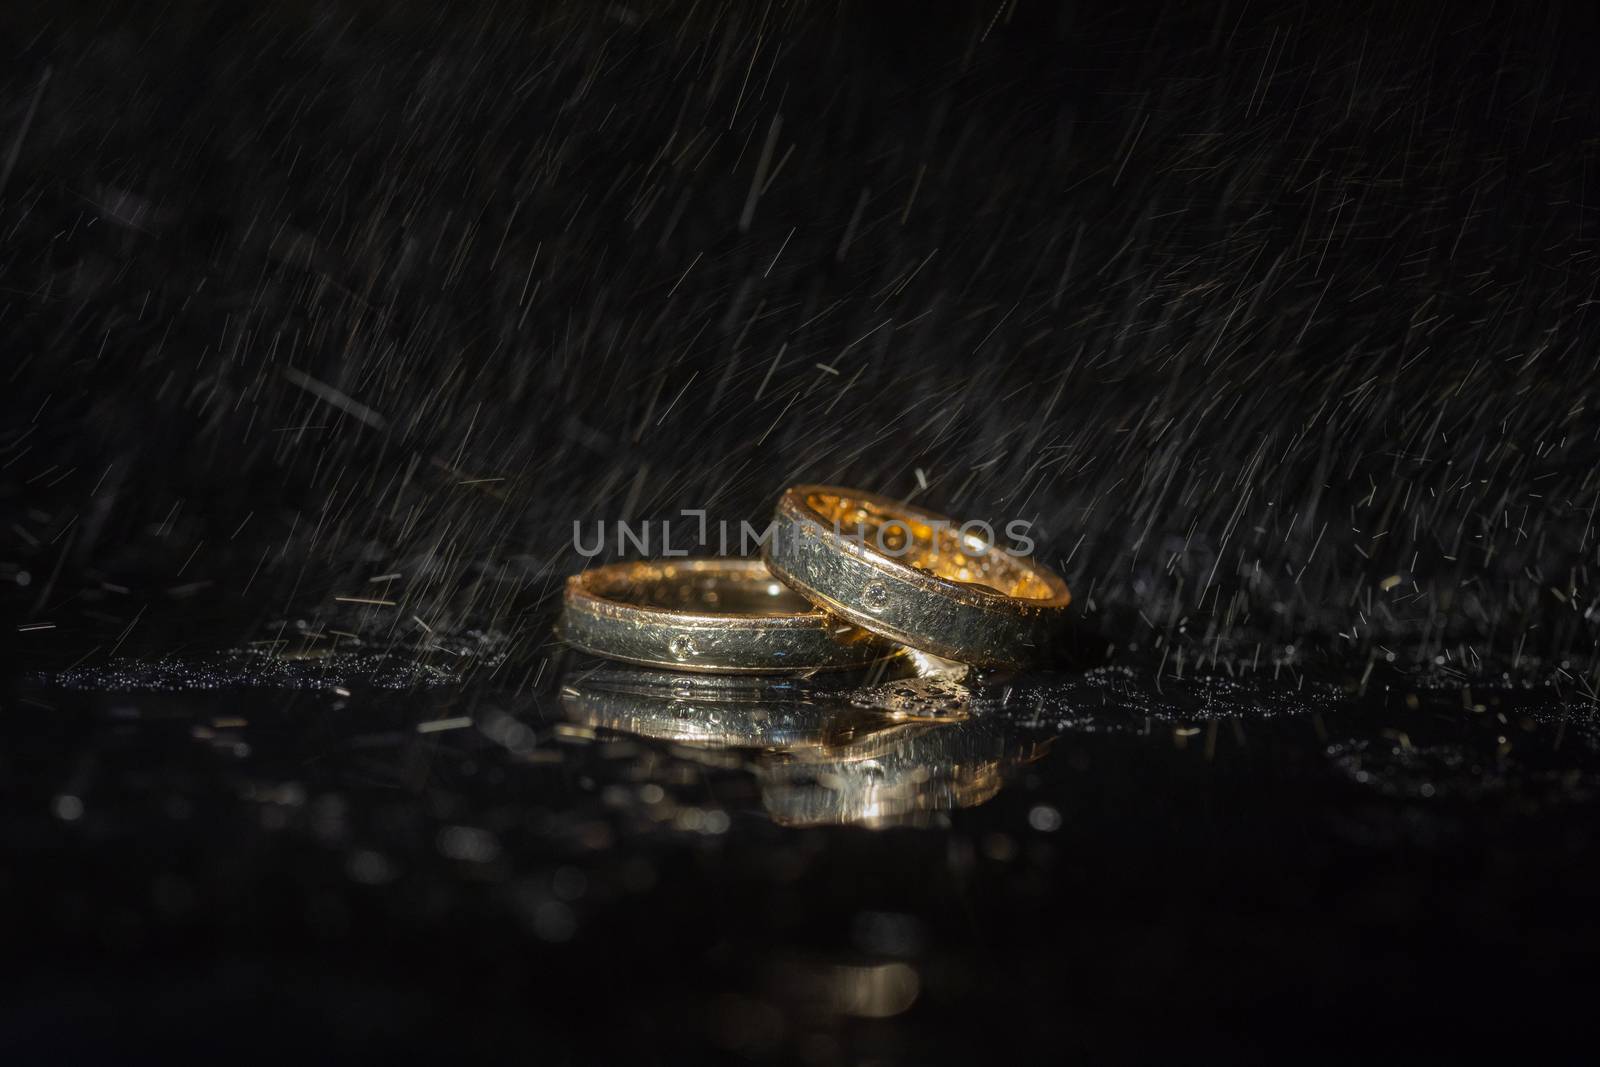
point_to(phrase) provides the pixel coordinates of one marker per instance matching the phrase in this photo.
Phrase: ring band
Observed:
(722, 615)
(912, 576)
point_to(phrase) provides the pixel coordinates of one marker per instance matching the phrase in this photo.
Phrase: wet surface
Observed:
(842, 865)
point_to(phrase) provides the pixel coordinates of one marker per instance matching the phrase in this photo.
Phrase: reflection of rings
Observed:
(910, 575)
(819, 757)
(725, 615)
(707, 711)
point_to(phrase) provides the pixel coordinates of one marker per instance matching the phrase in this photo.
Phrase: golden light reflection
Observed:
(937, 549)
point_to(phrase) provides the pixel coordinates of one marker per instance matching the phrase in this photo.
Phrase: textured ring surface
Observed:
(721, 615)
(912, 576)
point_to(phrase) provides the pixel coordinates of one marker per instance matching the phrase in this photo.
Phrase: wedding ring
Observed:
(915, 577)
(718, 615)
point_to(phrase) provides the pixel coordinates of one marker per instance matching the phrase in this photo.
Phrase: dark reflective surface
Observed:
(852, 866)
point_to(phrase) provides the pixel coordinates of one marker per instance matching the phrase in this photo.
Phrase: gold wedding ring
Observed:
(726, 616)
(915, 577)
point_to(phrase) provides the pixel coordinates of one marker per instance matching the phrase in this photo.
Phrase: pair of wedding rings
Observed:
(846, 578)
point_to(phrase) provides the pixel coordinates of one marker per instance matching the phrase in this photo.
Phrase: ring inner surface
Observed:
(736, 591)
(941, 551)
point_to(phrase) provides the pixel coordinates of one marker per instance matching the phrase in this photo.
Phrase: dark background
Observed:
(1273, 318)
(1248, 309)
